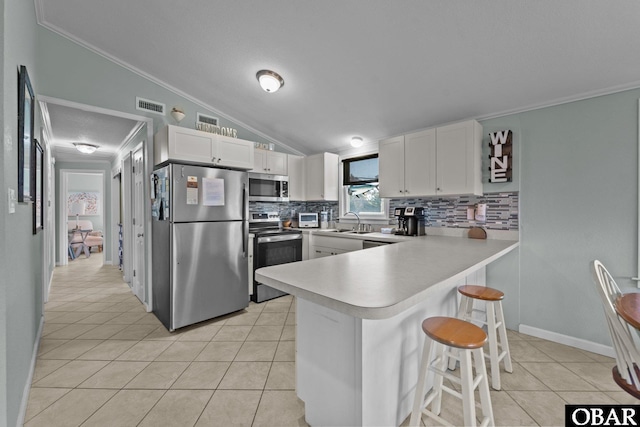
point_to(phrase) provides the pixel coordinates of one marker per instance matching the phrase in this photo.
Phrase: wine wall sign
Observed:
(501, 156)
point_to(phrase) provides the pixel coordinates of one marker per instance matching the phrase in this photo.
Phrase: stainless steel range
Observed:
(273, 245)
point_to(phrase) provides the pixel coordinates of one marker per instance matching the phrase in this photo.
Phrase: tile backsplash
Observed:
(502, 210)
(287, 210)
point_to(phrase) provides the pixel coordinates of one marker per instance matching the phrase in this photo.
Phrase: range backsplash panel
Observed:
(502, 210)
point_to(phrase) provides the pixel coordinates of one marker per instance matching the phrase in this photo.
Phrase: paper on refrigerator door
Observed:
(192, 190)
(212, 192)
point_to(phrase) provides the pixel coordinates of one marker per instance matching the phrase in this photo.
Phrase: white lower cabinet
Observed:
(322, 246)
(305, 246)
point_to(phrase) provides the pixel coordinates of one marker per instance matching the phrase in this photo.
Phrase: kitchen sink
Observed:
(354, 232)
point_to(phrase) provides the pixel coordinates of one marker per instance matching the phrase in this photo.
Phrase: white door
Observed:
(127, 220)
(137, 281)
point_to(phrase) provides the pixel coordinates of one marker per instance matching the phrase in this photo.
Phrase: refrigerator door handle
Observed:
(245, 233)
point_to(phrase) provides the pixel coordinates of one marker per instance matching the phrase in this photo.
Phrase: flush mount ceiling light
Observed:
(85, 148)
(356, 141)
(269, 80)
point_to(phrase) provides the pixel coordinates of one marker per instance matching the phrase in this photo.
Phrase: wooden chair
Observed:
(626, 372)
(443, 334)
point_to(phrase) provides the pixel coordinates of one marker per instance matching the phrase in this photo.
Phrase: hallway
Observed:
(104, 361)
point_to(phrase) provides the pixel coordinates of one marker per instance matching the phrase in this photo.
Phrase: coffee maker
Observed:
(410, 221)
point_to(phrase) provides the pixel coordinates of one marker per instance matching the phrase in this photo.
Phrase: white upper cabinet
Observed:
(234, 153)
(297, 177)
(440, 161)
(459, 159)
(391, 167)
(190, 145)
(270, 162)
(322, 177)
(407, 165)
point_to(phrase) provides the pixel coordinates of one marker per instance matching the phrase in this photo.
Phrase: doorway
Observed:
(83, 194)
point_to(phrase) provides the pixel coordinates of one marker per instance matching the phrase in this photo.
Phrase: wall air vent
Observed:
(207, 120)
(150, 106)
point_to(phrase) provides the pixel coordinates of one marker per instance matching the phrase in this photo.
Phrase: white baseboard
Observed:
(567, 340)
(27, 386)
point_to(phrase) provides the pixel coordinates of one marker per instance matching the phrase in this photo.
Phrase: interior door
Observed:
(138, 224)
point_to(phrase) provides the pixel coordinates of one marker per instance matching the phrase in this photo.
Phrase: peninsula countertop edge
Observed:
(381, 282)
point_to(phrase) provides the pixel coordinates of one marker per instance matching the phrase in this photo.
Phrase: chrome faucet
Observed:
(357, 216)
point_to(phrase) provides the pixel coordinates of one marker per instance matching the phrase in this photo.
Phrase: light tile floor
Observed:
(104, 361)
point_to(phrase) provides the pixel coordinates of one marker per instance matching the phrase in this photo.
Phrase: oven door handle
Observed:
(279, 238)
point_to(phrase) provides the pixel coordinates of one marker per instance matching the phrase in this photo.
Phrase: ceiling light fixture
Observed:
(85, 148)
(177, 114)
(356, 141)
(269, 80)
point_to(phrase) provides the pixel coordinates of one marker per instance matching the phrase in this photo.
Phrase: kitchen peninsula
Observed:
(358, 338)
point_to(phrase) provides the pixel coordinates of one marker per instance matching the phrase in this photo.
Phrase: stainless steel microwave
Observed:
(268, 188)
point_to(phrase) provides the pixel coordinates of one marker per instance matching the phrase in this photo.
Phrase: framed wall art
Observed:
(26, 148)
(88, 200)
(37, 185)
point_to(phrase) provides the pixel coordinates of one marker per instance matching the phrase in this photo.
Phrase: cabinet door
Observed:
(191, 145)
(259, 161)
(391, 167)
(276, 163)
(455, 162)
(297, 179)
(234, 153)
(314, 185)
(322, 176)
(420, 163)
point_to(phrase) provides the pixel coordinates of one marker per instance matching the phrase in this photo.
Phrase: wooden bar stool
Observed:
(495, 326)
(444, 333)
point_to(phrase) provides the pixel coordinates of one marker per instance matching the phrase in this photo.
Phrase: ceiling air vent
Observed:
(207, 120)
(150, 106)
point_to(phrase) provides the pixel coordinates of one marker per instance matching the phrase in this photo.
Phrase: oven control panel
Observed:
(264, 216)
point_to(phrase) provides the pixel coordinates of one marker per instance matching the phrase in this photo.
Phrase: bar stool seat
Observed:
(444, 333)
(496, 329)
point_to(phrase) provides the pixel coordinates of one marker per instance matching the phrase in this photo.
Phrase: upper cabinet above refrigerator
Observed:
(174, 143)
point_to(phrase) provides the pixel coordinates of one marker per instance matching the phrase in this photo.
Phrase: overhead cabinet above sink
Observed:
(441, 161)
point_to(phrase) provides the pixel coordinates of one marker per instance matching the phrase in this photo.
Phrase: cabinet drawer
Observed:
(340, 243)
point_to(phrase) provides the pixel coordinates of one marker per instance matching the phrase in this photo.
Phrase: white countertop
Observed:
(381, 282)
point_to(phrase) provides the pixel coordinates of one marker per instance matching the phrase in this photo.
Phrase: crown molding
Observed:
(564, 100)
(159, 82)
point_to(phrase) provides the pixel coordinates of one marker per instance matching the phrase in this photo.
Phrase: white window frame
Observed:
(344, 196)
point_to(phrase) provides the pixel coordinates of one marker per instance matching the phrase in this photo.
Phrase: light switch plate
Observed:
(12, 200)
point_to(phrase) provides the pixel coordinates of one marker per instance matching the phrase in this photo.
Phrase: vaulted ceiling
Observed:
(372, 68)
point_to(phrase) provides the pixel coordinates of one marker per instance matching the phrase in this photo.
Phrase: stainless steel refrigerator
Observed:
(200, 237)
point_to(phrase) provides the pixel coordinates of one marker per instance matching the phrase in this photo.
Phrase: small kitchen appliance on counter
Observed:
(308, 220)
(410, 221)
(272, 245)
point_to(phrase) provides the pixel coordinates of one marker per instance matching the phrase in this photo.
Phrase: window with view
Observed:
(360, 180)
